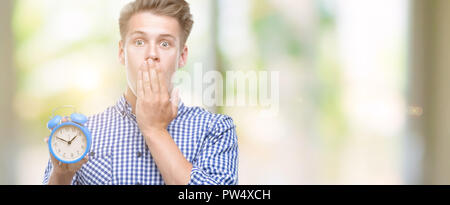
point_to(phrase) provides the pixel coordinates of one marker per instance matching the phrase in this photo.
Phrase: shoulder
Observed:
(213, 122)
(98, 120)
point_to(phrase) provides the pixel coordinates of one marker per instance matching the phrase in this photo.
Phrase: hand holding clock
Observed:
(62, 172)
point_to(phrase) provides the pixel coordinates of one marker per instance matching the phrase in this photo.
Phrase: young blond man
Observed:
(149, 136)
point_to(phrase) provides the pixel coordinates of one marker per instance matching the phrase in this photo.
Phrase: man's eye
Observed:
(165, 44)
(139, 42)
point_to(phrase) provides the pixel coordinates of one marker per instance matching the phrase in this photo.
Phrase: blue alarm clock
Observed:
(69, 141)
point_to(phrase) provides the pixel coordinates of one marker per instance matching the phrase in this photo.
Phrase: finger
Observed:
(154, 80)
(80, 163)
(151, 63)
(85, 159)
(175, 100)
(153, 76)
(147, 86)
(139, 86)
(54, 160)
(162, 84)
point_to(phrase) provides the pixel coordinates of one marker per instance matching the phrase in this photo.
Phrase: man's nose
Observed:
(152, 53)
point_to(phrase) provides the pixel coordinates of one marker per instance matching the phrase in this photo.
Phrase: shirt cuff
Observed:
(199, 177)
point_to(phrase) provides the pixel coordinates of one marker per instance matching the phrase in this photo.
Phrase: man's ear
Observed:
(121, 53)
(183, 57)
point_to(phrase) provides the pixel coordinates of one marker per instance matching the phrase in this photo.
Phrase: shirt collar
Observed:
(124, 108)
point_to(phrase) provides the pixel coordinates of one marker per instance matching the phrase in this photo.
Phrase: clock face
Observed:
(68, 143)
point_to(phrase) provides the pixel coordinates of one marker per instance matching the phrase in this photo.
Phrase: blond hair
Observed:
(178, 9)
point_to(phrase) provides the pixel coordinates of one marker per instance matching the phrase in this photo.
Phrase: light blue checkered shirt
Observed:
(120, 156)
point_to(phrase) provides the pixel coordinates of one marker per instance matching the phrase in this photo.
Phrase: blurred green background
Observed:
(363, 83)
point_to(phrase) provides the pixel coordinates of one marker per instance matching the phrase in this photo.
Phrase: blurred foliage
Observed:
(329, 93)
(36, 51)
(273, 33)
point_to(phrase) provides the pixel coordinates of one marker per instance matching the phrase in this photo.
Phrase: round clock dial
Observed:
(68, 143)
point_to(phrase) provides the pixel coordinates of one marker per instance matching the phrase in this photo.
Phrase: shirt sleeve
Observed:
(48, 172)
(217, 162)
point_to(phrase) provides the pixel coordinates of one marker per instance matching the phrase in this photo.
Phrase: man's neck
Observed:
(131, 99)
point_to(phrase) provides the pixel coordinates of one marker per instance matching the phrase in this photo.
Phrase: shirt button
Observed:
(91, 154)
(138, 183)
(139, 154)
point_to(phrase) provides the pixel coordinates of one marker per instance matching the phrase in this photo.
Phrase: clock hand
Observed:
(63, 140)
(73, 139)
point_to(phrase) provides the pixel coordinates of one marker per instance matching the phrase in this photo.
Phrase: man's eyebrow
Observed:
(168, 35)
(161, 35)
(137, 33)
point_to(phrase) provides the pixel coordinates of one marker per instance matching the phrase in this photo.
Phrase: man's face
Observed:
(153, 37)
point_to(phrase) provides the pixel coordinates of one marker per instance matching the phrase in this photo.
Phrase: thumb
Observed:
(85, 159)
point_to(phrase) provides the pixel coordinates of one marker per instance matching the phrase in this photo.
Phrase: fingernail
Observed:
(151, 62)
